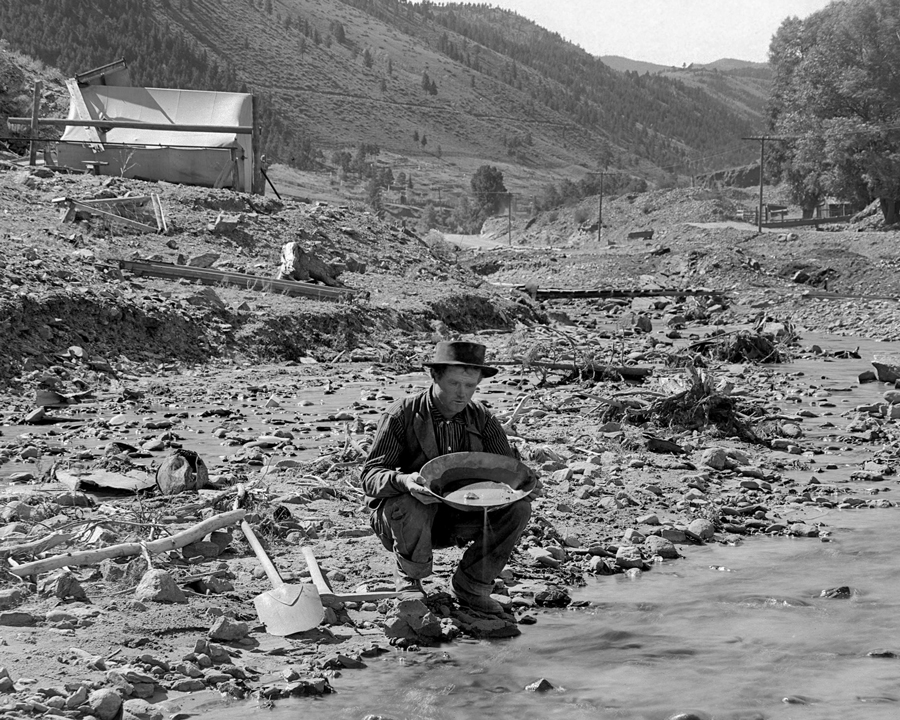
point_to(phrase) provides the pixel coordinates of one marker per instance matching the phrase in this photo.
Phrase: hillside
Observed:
(624, 64)
(455, 85)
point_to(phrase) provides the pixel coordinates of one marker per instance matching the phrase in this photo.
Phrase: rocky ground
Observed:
(105, 374)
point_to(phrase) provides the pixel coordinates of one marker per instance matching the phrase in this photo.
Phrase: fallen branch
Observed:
(35, 546)
(89, 557)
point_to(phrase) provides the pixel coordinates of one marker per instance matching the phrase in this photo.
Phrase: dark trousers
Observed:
(411, 530)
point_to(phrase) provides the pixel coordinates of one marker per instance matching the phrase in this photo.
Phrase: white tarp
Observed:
(195, 158)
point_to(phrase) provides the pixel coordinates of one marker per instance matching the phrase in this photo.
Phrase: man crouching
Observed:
(409, 520)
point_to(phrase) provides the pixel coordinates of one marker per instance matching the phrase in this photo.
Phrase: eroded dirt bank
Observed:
(106, 374)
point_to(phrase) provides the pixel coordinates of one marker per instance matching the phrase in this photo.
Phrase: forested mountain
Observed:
(416, 79)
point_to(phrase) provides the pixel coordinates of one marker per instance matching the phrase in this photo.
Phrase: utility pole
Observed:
(509, 218)
(600, 211)
(35, 111)
(762, 160)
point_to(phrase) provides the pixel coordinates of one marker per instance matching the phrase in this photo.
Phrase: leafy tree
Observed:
(424, 140)
(429, 218)
(415, 136)
(836, 96)
(461, 219)
(488, 190)
(337, 29)
(367, 58)
(373, 195)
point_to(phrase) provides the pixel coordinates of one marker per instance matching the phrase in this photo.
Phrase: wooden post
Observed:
(600, 212)
(258, 184)
(509, 218)
(762, 159)
(35, 110)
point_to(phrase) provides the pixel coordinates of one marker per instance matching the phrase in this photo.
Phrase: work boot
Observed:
(484, 604)
(409, 588)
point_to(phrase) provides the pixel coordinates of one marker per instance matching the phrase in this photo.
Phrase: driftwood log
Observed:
(34, 547)
(173, 542)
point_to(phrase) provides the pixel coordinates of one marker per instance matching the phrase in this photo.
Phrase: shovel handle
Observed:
(270, 569)
(254, 542)
(318, 579)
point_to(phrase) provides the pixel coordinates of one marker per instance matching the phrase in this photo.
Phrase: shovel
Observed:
(285, 609)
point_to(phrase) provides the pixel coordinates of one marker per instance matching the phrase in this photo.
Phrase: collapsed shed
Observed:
(144, 148)
(196, 137)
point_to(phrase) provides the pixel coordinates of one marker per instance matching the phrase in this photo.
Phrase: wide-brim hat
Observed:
(458, 352)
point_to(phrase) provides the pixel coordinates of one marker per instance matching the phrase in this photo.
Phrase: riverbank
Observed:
(283, 394)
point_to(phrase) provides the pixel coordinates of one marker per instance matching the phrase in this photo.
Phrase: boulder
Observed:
(181, 471)
(412, 620)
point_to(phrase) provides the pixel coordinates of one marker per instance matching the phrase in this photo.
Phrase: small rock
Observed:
(543, 557)
(77, 698)
(63, 585)
(715, 458)
(660, 546)
(839, 593)
(702, 528)
(17, 619)
(158, 586)
(10, 598)
(105, 703)
(629, 557)
(137, 709)
(542, 685)
(227, 630)
(205, 260)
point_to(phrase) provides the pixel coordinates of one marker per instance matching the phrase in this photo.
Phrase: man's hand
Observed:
(415, 484)
(538, 485)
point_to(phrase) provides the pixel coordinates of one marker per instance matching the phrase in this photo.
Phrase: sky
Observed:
(666, 32)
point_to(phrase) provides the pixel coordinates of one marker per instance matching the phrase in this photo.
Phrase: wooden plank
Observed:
(134, 124)
(136, 200)
(574, 293)
(81, 110)
(160, 214)
(100, 71)
(112, 217)
(257, 183)
(820, 295)
(808, 222)
(248, 282)
(326, 593)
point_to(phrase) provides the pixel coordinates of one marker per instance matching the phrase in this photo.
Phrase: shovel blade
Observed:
(289, 609)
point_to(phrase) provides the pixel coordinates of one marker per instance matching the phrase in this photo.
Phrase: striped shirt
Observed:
(389, 450)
